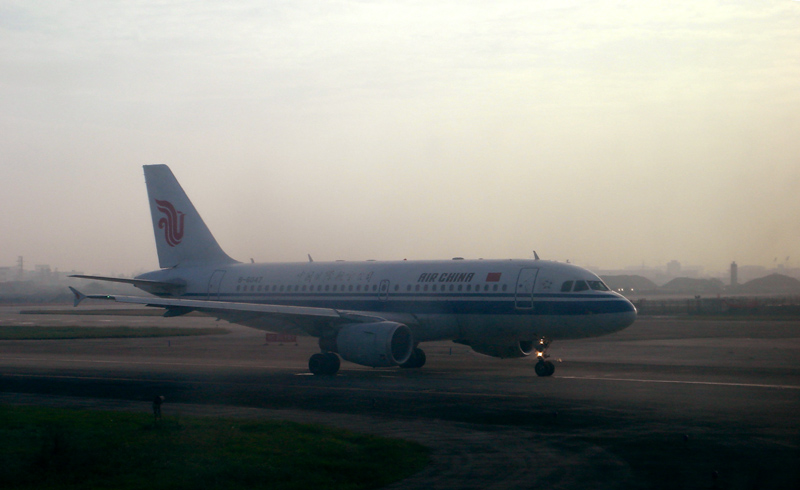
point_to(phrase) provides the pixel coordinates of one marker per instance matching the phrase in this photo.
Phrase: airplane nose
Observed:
(624, 316)
(628, 316)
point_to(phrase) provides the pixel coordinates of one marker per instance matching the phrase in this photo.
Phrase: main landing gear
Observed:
(326, 363)
(416, 361)
(543, 367)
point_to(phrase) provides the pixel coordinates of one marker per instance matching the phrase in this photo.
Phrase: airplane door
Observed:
(214, 284)
(384, 290)
(523, 297)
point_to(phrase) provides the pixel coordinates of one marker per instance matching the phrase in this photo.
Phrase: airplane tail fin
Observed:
(182, 238)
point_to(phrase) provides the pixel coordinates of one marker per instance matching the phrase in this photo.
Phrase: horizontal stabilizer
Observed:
(147, 285)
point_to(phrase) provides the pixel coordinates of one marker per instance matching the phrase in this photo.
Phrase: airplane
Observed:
(372, 313)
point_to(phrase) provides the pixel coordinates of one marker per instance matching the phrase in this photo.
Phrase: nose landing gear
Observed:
(543, 367)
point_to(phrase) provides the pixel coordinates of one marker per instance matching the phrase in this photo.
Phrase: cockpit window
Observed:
(581, 286)
(566, 287)
(598, 285)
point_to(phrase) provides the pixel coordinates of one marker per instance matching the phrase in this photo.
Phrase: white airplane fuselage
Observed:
(438, 300)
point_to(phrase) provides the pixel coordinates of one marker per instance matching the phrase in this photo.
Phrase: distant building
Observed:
(44, 274)
(734, 274)
(674, 268)
(749, 272)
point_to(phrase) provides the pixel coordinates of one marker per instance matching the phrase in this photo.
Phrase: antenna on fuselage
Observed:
(535, 255)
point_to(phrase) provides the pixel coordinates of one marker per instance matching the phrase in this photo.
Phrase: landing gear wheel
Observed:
(316, 364)
(544, 368)
(324, 364)
(416, 361)
(333, 363)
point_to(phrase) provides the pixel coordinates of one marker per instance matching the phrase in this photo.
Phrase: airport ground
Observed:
(667, 403)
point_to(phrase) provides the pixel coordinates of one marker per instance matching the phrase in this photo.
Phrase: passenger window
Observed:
(469, 287)
(425, 288)
(505, 287)
(238, 287)
(581, 286)
(566, 287)
(327, 287)
(460, 287)
(452, 287)
(417, 287)
(433, 288)
(495, 287)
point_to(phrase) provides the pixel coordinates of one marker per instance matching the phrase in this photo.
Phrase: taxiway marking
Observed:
(675, 381)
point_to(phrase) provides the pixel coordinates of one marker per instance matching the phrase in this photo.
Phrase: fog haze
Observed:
(605, 133)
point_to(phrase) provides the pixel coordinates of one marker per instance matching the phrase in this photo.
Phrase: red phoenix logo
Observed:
(171, 223)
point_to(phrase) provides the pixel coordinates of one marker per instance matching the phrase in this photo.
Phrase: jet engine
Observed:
(505, 349)
(380, 344)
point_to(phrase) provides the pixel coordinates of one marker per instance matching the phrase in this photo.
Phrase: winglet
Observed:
(79, 296)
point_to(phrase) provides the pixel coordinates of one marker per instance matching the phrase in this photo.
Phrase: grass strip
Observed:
(20, 332)
(48, 448)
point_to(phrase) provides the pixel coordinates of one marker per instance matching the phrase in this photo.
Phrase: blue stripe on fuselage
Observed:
(476, 304)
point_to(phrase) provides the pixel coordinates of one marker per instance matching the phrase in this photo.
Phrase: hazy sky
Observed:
(608, 133)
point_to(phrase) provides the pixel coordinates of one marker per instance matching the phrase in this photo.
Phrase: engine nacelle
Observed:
(380, 344)
(504, 350)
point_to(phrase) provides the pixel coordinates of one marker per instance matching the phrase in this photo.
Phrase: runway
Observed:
(663, 404)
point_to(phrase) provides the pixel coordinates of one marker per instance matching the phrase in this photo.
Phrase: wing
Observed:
(271, 317)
